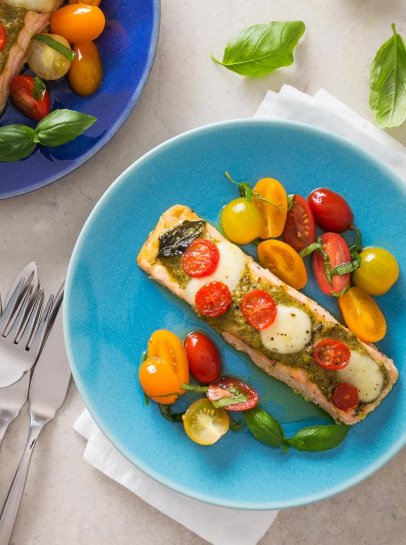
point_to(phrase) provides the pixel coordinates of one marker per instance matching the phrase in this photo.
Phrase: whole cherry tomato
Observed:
(362, 315)
(159, 380)
(232, 394)
(283, 261)
(242, 221)
(337, 251)
(259, 309)
(331, 354)
(203, 357)
(274, 215)
(78, 22)
(345, 396)
(200, 258)
(300, 227)
(22, 94)
(331, 210)
(378, 271)
(213, 299)
(86, 71)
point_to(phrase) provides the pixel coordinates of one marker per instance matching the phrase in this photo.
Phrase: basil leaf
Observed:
(62, 126)
(264, 427)
(261, 49)
(62, 49)
(388, 83)
(316, 246)
(166, 411)
(348, 267)
(234, 425)
(176, 240)
(39, 89)
(16, 142)
(319, 438)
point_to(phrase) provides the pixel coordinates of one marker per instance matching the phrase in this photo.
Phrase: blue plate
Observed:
(127, 47)
(112, 308)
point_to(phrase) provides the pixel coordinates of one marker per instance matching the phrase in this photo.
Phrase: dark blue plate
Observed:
(127, 47)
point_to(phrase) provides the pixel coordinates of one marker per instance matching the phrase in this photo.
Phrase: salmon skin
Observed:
(369, 370)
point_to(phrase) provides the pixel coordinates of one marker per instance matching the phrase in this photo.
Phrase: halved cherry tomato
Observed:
(213, 299)
(3, 37)
(167, 346)
(274, 216)
(259, 309)
(200, 258)
(331, 354)
(78, 22)
(86, 71)
(362, 315)
(283, 261)
(22, 95)
(232, 394)
(330, 210)
(159, 381)
(241, 220)
(338, 253)
(378, 271)
(204, 424)
(300, 227)
(203, 357)
(345, 396)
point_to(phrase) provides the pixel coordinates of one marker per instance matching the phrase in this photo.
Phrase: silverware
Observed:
(48, 388)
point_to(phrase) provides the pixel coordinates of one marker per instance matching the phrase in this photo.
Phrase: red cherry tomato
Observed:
(300, 227)
(259, 309)
(200, 258)
(330, 210)
(239, 395)
(203, 357)
(331, 354)
(345, 396)
(338, 253)
(3, 37)
(22, 95)
(213, 299)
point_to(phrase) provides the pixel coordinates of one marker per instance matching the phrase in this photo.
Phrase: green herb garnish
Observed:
(62, 49)
(176, 240)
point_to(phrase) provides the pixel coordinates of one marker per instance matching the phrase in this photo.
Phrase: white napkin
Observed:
(218, 525)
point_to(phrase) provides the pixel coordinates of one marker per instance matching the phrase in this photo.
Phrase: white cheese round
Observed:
(363, 373)
(230, 270)
(34, 5)
(289, 333)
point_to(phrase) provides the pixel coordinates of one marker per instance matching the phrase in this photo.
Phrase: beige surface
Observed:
(66, 501)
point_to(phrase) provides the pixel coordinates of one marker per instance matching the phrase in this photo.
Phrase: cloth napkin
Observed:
(219, 525)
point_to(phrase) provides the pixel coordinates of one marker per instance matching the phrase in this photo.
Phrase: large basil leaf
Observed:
(261, 49)
(319, 438)
(388, 83)
(176, 240)
(61, 126)
(264, 427)
(16, 142)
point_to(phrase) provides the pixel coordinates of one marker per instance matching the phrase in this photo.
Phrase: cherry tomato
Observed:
(283, 261)
(362, 315)
(159, 381)
(378, 271)
(345, 396)
(300, 227)
(204, 424)
(47, 62)
(331, 354)
(86, 71)
(88, 2)
(338, 253)
(274, 216)
(167, 346)
(78, 22)
(213, 299)
(241, 221)
(239, 395)
(203, 357)
(259, 309)
(330, 210)
(22, 95)
(200, 258)
(3, 37)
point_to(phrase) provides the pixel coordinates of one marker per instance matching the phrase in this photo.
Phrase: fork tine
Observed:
(42, 328)
(33, 320)
(20, 320)
(11, 306)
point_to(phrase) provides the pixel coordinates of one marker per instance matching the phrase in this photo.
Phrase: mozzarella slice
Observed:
(289, 333)
(230, 270)
(363, 373)
(33, 5)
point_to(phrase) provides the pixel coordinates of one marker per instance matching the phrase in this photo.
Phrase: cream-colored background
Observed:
(68, 502)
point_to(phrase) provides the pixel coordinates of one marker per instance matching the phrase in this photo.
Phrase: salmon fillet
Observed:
(298, 370)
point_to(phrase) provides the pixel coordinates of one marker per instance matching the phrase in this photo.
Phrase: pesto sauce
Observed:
(12, 19)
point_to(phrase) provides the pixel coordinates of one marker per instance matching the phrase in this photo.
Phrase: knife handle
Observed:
(13, 500)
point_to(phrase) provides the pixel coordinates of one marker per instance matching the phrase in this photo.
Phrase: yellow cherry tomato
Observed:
(378, 271)
(45, 61)
(274, 216)
(362, 315)
(205, 424)
(86, 71)
(241, 221)
(159, 381)
(78, 22)
(166, 345)
(283, 261)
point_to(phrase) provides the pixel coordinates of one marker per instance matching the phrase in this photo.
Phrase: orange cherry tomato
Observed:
(78, 22)
(283, 261)
(362, 315)
(86, 70)
(274, 216)
(167, 346)
(159, 381)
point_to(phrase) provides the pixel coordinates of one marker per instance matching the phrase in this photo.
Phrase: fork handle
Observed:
(13, 500)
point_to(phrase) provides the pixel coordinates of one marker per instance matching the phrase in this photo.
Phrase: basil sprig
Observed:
(248, 193)
(261, 49)
(388, 82)
(62, 49)
(176, 240)
(57, 128)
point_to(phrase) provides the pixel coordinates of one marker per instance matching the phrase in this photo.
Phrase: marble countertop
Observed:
(66, 500)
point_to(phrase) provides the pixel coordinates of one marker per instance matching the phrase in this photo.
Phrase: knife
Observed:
(48, 389)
